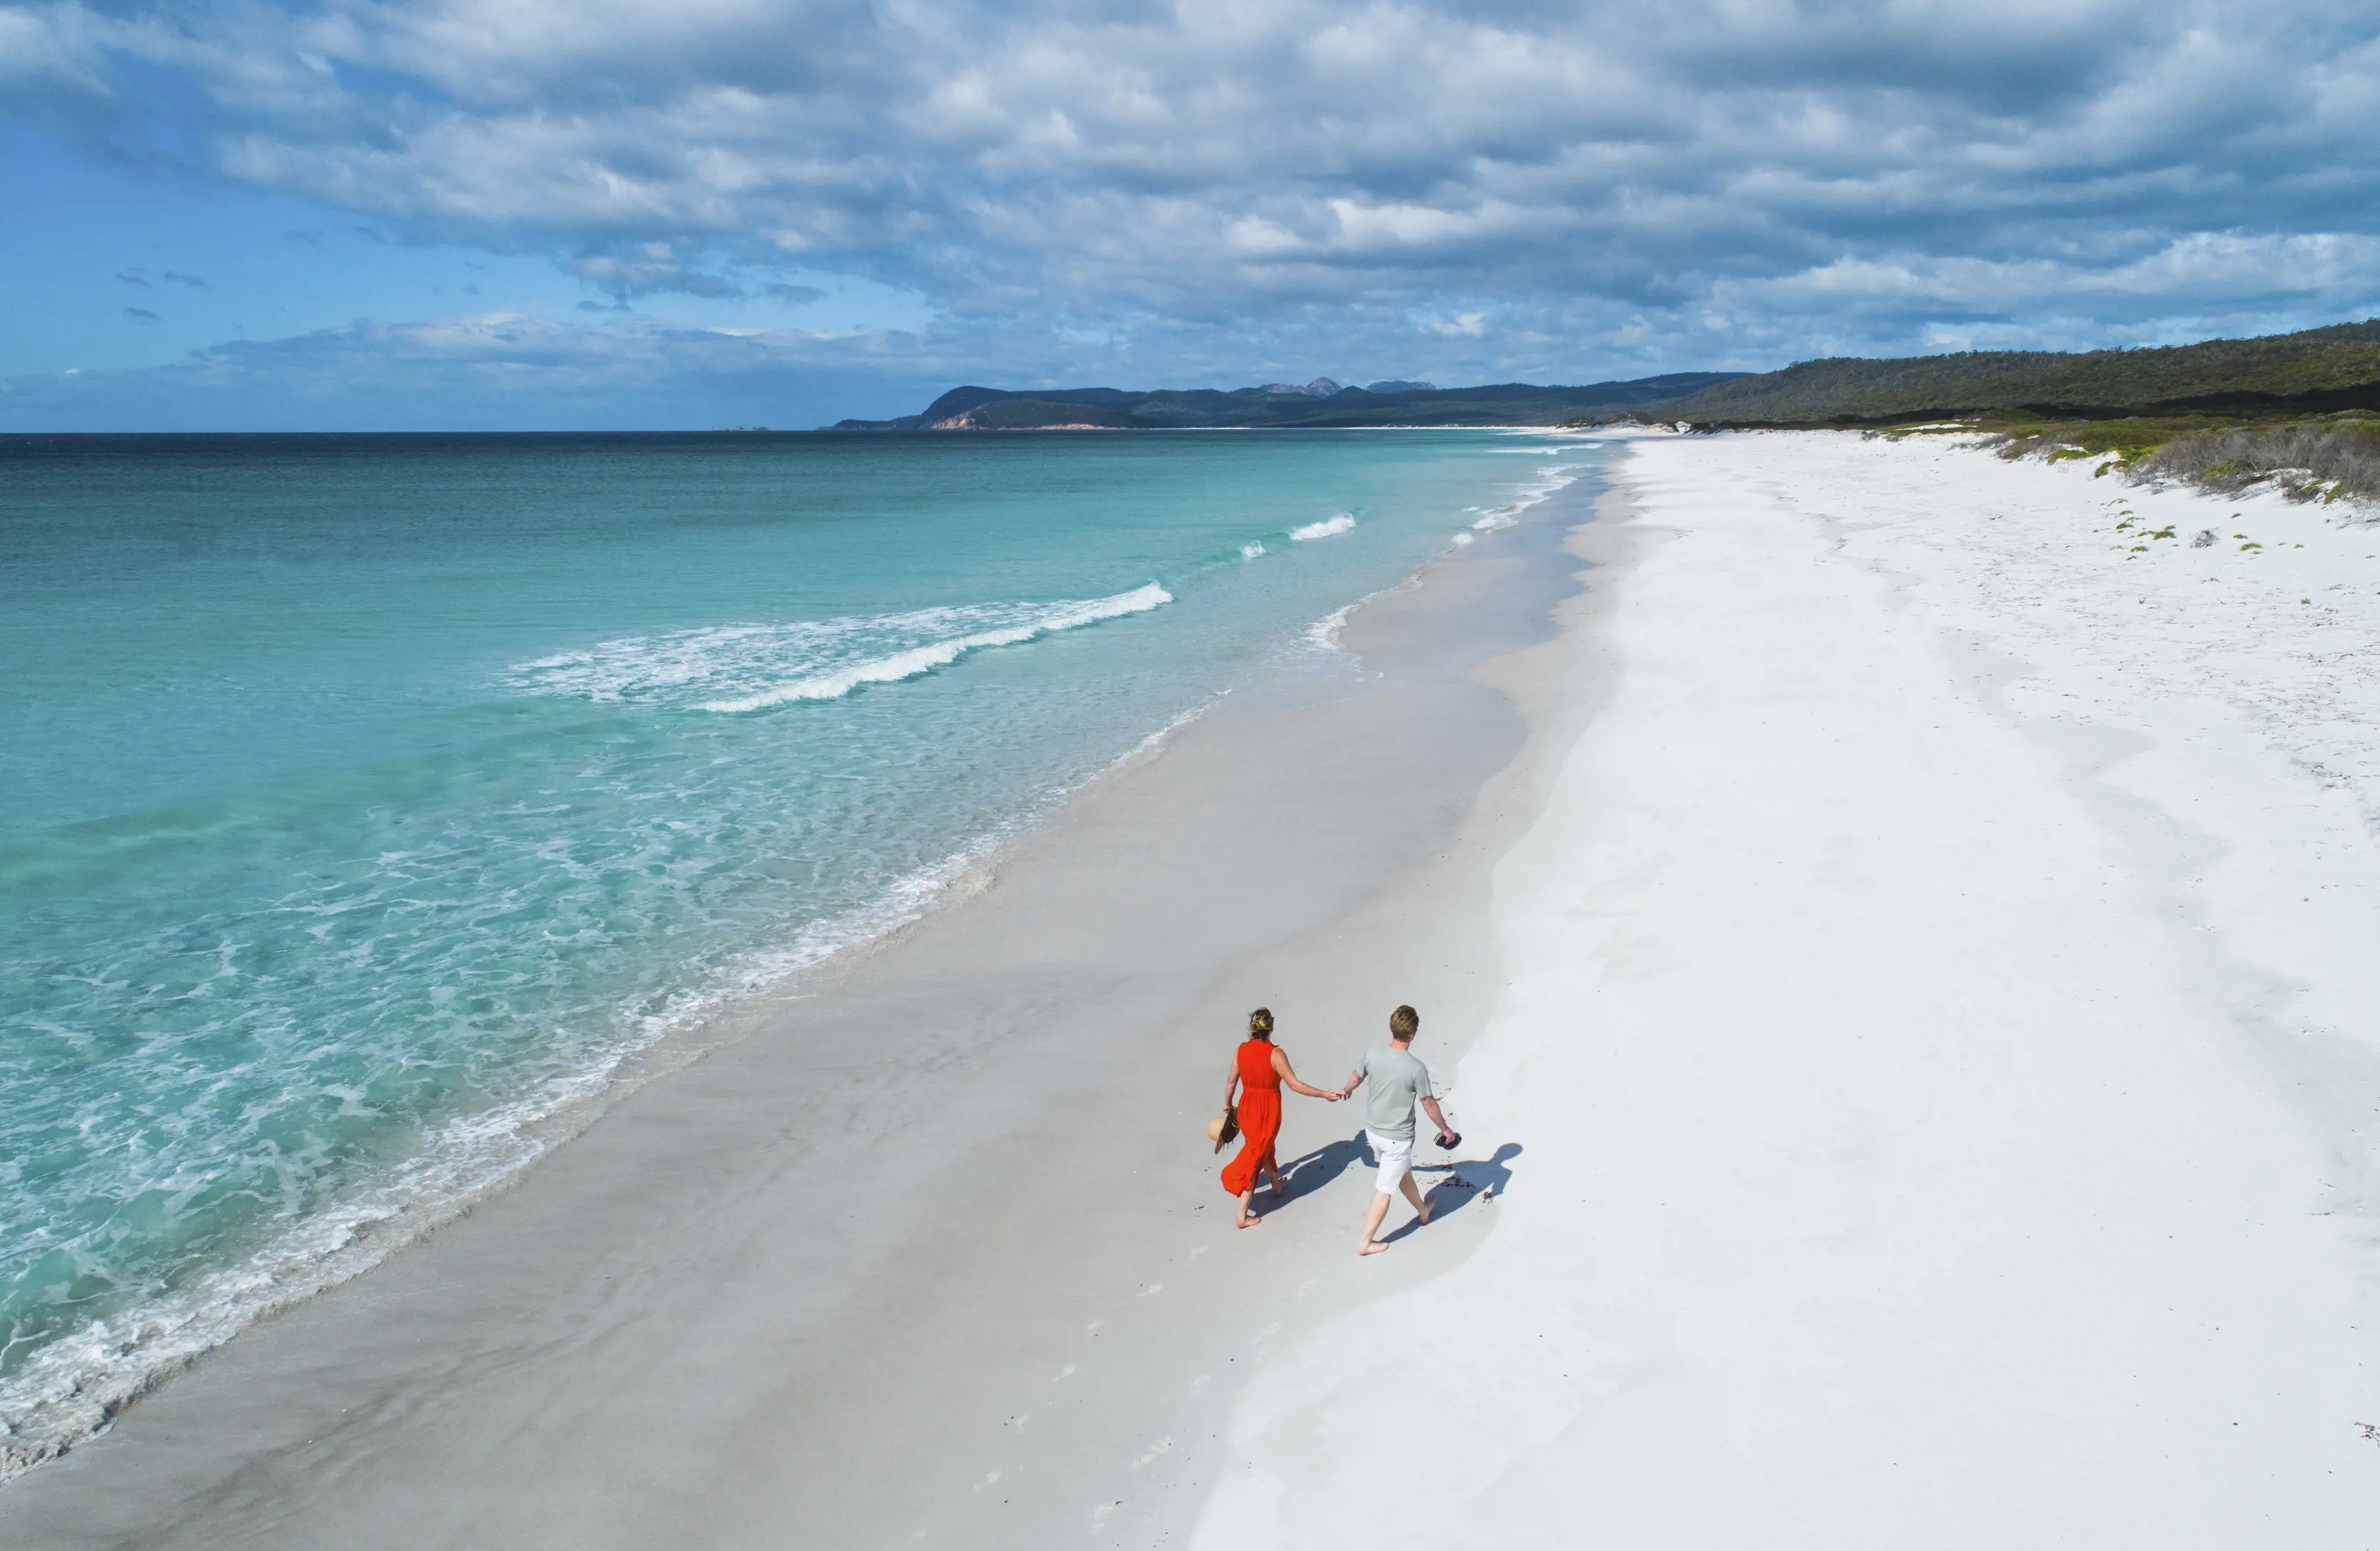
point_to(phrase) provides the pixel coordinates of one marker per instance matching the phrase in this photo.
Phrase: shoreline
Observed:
(1898, 949)
(260, 1411)
(89, 1378)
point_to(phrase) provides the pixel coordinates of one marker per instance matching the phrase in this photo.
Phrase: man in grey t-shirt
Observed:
(1399, 1081)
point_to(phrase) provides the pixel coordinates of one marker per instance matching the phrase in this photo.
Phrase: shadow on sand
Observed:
(1465, 1181)
(1304, 1176)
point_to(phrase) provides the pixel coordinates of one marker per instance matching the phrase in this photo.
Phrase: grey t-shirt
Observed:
(1395, 1081)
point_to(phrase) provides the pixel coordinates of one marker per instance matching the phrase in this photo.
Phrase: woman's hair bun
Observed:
(1260, 1024)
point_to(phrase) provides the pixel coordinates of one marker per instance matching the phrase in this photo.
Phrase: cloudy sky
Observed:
(621, 213)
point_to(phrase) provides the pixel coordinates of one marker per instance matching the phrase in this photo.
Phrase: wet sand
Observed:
(934, 1253)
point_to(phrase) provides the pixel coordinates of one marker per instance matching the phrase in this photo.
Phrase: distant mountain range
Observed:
(2320, 371)
(1320, 403)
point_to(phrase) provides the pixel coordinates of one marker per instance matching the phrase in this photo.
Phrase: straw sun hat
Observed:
(1223, 1130)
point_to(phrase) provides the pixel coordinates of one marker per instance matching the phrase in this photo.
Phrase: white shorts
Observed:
(1395, 1155)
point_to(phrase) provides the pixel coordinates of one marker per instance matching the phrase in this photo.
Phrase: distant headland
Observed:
(2303, 408)
(2316, 371)
(1317, 404)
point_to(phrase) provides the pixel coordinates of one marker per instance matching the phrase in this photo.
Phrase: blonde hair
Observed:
(1404, 1023)
(1260, 1024)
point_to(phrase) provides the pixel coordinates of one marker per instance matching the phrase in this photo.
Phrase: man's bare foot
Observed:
(1373, 1247)
(1422, 1216)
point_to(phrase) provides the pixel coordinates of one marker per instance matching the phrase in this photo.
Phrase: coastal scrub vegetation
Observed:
(2316, 371)
(2297, 412)
(2320, 461)
(2330, 458)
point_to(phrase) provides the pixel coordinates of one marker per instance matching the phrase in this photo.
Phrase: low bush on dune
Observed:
(2334, 459)
(2294, 412)
(2119, 443)
(2318, 462)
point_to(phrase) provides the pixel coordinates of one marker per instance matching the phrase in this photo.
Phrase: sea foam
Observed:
(925, 658)
(734, 669)
(1495, 518)
(1329, 529)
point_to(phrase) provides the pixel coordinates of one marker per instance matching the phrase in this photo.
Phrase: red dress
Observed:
(1259, 1117)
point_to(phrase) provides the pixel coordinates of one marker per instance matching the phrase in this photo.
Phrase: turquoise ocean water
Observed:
(364, 800)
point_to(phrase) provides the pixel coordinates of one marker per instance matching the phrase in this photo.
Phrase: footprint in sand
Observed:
(1152, 1291)
(1065, 1373)
(1161, 1445)
(1199, 1251)
(1095, 1328)
(987, 1480)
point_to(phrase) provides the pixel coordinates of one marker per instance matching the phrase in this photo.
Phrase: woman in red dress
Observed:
(1258, 1071)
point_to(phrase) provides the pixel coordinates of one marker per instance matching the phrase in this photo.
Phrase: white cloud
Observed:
(1228, 183)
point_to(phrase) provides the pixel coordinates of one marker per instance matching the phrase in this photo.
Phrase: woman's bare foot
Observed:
(1249, 1219)
(1373, 1247)
(1279, 1189)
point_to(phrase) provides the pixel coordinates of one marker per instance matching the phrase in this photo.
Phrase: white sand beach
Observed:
(1944, 1027)
(1900, 946)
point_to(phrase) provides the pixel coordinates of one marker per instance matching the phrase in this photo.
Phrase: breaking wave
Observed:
(1330, 528)
(734, 669)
